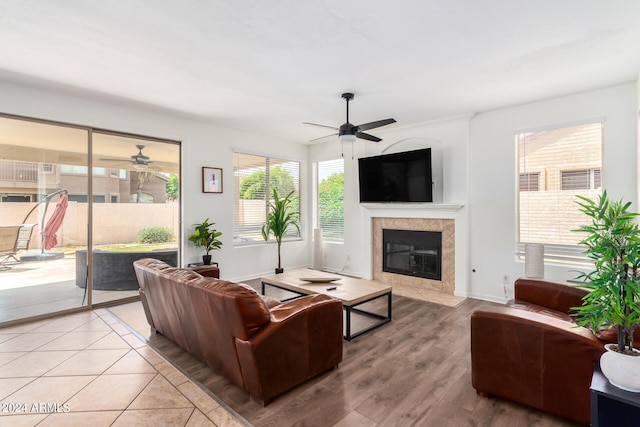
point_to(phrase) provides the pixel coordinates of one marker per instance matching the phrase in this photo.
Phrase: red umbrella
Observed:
(49, 238)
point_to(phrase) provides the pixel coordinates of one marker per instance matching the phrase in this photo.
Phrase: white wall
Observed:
(202, 145)
(478, 158)
(492, 176)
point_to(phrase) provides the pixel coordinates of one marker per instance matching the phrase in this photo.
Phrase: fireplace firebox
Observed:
(412, 253)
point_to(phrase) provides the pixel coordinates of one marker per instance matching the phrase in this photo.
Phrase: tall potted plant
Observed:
(613, 243)
(206, 236)
(282, 215)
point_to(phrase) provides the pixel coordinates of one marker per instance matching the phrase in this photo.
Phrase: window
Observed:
(554, 166)
(331, 199)
(82, 198)
(15, 198)
(81, 170)
(255, 177)
(529, 181)
(584, 179)
(144, 198)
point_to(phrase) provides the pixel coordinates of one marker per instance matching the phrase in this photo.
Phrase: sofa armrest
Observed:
(537, 360)
(147, 311)
(559, 296)
(303, 339)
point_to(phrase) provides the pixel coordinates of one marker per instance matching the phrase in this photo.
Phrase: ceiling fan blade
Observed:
(322, 126)
(323, 137)
(162, 163)
(116, 160)
(376, 124)
(363, 135)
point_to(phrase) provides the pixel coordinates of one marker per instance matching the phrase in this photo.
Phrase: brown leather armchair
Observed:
(531, 351)
(227, 325)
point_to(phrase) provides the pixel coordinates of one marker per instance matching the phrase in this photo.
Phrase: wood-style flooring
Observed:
(415, 370)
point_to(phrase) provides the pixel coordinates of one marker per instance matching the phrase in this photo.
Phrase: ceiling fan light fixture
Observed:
(347, 138)
(140, 166)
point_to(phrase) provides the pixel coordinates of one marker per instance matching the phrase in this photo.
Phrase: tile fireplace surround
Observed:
(445, 226)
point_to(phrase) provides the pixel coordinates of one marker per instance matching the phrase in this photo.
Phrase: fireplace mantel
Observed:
(412, 210)
(372, 212)
(444, 227)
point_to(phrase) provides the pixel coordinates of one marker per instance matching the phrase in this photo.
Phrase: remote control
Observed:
(332, 288)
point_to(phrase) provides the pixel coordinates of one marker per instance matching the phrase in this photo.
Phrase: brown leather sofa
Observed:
(229, 326)
(531, 351)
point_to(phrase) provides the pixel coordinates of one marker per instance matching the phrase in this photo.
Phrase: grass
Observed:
(130, 247)
(140, 247)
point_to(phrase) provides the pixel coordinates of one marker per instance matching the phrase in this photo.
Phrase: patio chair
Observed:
(24, 238)
(8, 242)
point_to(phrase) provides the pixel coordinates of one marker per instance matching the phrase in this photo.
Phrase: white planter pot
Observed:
(623, 371)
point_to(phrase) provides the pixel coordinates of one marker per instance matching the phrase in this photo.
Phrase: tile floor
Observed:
(90, 369)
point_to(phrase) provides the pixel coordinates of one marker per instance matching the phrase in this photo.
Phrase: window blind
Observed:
(554, 166)
(331, 199)
(255, 178)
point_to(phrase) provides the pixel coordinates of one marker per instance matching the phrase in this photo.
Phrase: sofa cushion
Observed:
(245, 311)
(271, 302)
(534, 308)
(557, 296)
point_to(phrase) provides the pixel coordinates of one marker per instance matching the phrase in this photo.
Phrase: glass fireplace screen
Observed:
(412, 253)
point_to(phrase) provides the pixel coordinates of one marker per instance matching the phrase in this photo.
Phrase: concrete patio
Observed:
(33, 288)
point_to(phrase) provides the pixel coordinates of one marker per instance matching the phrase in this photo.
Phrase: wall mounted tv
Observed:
(398, 177)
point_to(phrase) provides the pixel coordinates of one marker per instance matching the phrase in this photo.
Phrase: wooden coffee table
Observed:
(351, 291)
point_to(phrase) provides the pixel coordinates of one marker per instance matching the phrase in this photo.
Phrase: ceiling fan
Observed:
(349, 132)
(139, 161)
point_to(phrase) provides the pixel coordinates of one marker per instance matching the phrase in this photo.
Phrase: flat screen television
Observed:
(397, 177)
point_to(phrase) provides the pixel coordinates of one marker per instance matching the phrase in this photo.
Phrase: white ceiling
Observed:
(268, 66)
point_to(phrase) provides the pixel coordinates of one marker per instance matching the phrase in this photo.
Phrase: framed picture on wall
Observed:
(211, 180)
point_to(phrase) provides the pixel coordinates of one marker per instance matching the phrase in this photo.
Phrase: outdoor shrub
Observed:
(155, 235)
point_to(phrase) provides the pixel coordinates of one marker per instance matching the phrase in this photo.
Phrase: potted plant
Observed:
(613, 243)
(206, 236)
(282, 215)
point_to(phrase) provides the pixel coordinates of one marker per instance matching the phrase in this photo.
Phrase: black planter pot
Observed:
(279, 270)
(206, 259)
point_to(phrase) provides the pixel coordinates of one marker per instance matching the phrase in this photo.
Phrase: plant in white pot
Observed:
(613, 243)
(206, 236)
(282, 215)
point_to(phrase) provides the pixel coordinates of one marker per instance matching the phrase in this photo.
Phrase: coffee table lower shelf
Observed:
(349, 309)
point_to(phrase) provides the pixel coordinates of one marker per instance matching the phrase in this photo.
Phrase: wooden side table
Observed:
(610, 405)
(206, 270)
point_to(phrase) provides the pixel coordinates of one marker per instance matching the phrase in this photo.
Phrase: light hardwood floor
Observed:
(415, 370)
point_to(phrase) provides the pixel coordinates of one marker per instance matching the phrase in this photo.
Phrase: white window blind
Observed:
(565, 162)
(255, 177)
(331, 199)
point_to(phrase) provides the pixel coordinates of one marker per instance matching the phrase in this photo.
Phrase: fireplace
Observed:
(445, 226)
(412, 253)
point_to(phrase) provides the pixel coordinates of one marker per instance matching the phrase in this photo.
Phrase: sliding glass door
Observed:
(135, 209)
(38, 274)
(67, 235)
